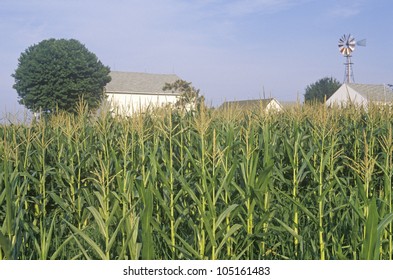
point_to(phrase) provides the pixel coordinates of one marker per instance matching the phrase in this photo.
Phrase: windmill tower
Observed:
(346, 45)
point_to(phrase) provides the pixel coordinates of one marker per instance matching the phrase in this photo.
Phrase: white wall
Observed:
(345, 95)
(273, 106)
(127, 104)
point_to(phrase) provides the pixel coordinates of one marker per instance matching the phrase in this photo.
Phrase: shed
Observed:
(269, 104)
(361, 95)
(130, 92)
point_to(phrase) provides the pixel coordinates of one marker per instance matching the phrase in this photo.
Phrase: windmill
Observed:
(346, 45)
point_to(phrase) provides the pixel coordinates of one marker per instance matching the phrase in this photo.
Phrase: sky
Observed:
(229, 49)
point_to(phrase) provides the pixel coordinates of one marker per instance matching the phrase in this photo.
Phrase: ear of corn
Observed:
(306, 183)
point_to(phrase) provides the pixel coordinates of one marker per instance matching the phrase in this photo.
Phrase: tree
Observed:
(189, 95)
(56, 74)
(321, 90)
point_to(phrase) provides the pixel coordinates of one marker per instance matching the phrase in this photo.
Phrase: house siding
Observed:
(131, 92)
(128, 104)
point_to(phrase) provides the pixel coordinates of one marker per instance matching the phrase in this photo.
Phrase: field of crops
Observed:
(307, 183)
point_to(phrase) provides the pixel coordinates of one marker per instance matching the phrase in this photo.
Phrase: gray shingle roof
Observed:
(246, 104)
(134, 82)
(379, 93)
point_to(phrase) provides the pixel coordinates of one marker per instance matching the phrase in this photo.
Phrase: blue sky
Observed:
(229, 49)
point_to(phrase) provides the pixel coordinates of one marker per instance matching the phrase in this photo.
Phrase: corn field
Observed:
(308, 183)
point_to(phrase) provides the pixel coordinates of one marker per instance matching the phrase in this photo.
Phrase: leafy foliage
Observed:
(189, 95)
(321, 90)
(55, 74)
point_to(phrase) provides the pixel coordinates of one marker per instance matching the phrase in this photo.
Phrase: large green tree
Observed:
(321, 90)
(57, 73)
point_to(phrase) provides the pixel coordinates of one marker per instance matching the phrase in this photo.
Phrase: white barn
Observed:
(361, 95)
(130, 92)
(267, 105)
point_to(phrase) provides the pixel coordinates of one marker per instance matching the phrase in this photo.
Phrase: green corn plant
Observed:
(370, 248)
(386, 142)
(145, 191)
(7, 233)
(42, 144)
(227, 142)
(248, 166)
(125, 181)
(317, 160)
(305, 183)
(168, 178)
(292, 148)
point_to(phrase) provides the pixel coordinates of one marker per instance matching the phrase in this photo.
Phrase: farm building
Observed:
(130, 92)
(361, 95)
(269, 104)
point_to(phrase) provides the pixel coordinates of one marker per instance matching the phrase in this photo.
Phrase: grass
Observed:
(306, 183)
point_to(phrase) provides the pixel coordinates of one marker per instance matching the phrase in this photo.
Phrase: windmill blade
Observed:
(351, 42)
(362, 42)
(342, 40)
(344, 51)
(341, 45)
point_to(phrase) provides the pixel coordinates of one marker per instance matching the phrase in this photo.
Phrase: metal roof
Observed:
(139, 83)
(379, 93)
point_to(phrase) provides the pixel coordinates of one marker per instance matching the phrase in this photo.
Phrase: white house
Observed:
(361, 95)
(130, 92)
(269, 104)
